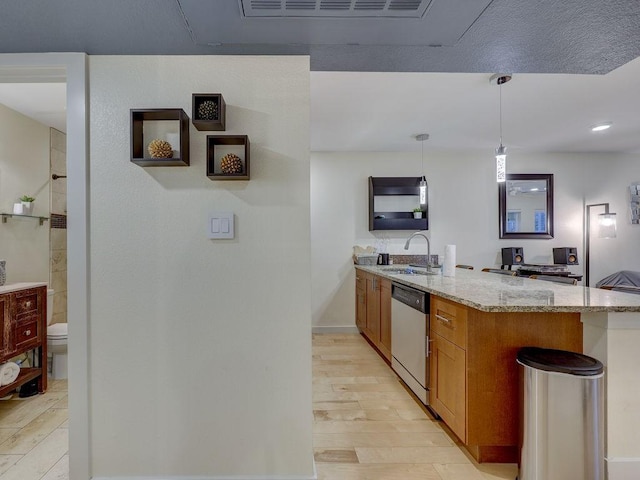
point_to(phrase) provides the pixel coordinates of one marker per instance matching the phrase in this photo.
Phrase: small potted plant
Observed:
(27, 204)
(417, 212)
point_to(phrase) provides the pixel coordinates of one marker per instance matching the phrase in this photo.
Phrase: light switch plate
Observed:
(220, 225)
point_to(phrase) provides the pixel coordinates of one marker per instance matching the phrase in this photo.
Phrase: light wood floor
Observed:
(34, 435)
(368, 426)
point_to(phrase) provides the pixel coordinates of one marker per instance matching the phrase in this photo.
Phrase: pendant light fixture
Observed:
(423, 181)
(501, 152)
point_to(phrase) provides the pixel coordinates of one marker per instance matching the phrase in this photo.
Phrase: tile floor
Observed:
(34, 436)
(368, 426)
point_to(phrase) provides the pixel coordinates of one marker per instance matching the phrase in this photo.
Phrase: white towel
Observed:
(449, 264)
(8, 373)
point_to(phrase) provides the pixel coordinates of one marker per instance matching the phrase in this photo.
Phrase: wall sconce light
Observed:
(606, 229)
(501, 152)
(423, 181)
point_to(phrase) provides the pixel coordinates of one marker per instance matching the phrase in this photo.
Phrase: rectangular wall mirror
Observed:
(526, 206)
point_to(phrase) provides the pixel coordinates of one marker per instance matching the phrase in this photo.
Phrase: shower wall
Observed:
(58, 215)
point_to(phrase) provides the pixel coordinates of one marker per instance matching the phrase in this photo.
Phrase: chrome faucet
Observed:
(421, 234)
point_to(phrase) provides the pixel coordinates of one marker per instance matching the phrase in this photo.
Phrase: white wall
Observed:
(200, 350)
(608, 181)
(24, 170)
(463, 210)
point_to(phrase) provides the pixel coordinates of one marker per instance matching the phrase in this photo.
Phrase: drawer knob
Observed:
(27, 333)
(28, 304)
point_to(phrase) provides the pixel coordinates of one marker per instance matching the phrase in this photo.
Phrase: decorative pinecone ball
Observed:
(160, 149)
(231, 163)
(208, 110)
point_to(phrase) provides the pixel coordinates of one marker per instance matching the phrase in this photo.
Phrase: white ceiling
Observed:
(44, 102)
(383, 111)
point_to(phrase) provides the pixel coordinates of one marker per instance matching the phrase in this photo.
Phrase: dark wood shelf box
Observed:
(149, 124)
(396, 220)
(221, 145)
(208, 124)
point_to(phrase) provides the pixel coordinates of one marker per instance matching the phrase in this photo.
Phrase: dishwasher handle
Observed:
(427, 350)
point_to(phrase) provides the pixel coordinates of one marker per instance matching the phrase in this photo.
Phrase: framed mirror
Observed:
(526, 206)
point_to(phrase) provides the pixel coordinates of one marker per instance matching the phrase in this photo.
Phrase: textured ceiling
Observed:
(551, 36)
(410, 85)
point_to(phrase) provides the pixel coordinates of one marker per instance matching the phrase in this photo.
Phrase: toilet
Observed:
(56, 342)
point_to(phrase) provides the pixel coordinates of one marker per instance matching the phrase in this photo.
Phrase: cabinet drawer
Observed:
(449, 320)
(27, 302)
(360, 280)
(26, 331)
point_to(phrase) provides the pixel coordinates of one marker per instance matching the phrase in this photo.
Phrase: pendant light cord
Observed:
(422, 156)
(500, 114)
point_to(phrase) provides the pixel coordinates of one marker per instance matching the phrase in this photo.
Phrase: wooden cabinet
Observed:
(448, 394)
(384, 344)
(5, 327)
(23, 326)
(373, 310)
(361, 301)
(474, 383)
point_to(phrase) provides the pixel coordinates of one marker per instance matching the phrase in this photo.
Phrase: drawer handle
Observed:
(27, 333)
(443, 319)
(27, 304)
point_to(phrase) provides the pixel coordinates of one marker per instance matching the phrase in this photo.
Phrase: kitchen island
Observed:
(474, 377)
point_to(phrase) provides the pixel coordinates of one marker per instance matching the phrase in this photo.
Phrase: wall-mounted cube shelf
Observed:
(391, 203)
(236, 150)
(208, 111)
(163, 124)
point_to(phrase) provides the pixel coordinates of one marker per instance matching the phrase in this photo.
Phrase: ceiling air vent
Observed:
(411, 5)
(334, 8)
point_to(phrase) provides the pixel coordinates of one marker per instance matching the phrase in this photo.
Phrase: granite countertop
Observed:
(13, 287)
(490, 292)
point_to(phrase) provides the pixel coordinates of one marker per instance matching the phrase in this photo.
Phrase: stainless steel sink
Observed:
(407, 270)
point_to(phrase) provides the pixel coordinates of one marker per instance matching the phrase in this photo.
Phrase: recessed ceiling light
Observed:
(601, 127)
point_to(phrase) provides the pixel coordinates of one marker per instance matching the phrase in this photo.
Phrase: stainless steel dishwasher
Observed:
(409, 341)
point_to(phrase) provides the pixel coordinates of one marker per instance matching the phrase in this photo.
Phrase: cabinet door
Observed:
(448, 384)
(385, 318)
(361, 301)
(373, 308)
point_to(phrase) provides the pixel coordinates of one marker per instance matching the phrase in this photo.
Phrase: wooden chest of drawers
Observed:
(23, 327)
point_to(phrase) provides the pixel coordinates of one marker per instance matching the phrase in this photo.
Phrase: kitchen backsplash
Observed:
(408, 259)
